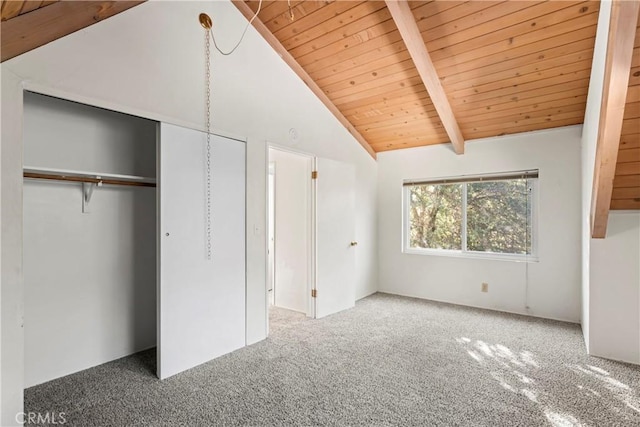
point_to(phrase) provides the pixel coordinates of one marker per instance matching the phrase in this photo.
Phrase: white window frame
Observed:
(464, 252)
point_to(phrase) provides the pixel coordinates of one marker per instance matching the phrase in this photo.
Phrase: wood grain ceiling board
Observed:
(626, 184)
(506, 66)
(27, 25)
(12, 8)
(524, 70)
(355, 53)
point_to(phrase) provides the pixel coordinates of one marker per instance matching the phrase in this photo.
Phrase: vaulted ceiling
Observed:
(505, 66)
(434, 72)
(27, 25)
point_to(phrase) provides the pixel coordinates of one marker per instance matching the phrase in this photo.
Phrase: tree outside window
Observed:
(475, 216)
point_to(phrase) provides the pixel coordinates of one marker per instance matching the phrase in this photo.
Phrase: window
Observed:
(479, 216)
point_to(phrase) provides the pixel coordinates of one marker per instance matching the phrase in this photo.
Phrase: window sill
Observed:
(472, 255)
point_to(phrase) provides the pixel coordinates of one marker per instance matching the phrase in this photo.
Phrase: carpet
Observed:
(390, 361)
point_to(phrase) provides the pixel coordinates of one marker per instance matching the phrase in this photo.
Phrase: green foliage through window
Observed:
(436, 216)
(498, 217)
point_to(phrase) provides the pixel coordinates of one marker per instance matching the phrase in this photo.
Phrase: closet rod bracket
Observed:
(87, 192)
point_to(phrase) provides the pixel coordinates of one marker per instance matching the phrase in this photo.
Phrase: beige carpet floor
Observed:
(388, 361)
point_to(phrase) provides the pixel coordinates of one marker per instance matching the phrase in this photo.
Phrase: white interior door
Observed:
(201, 301)
(335, 232)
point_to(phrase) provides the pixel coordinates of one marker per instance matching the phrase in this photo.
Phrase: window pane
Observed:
(499, 217)
(435, 216)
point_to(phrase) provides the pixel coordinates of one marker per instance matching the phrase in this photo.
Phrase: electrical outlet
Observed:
(485, 287)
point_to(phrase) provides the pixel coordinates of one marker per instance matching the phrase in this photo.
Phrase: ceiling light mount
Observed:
(205, 21)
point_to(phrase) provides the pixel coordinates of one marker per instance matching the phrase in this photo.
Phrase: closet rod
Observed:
(107, 181)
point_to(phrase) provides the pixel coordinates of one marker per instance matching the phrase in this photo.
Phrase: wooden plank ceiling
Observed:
(505, 66)
(626, 184)
(27, 25)
(13, 8)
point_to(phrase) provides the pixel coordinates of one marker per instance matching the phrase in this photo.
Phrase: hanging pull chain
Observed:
(208, 124)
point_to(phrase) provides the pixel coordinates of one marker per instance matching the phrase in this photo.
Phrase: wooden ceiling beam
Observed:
(406, 23)
(622, 31)
(33, 29)
(297, 68)
(11, 9)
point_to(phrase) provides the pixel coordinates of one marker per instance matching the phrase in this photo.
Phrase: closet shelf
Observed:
(89, 180)
(88, 177)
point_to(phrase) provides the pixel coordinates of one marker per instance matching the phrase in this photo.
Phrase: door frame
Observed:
(271, 248)
(311, 306)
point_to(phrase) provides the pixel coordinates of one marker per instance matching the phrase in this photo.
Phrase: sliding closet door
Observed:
(201, 301)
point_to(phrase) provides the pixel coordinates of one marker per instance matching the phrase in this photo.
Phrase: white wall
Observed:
(615, 289)
(149, 61)
(67, 135)
(292, 229)
(20, 340)
(553, 282)
(588, 157)
(89, 279)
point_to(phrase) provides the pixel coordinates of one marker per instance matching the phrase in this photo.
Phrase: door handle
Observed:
(354, 243)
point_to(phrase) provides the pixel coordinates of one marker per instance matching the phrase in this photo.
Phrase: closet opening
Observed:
(90, 213)
(290, 249)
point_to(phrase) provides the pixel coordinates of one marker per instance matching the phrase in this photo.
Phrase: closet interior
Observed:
(90, 216)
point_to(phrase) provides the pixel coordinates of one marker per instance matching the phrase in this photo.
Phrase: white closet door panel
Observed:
(201, 302)
(335, 230)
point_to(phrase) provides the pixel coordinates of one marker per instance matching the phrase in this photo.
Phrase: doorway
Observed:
(310, 237)
(290, 233)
